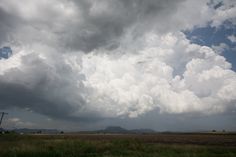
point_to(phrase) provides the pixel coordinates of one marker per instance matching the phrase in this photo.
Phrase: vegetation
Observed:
(14, 145)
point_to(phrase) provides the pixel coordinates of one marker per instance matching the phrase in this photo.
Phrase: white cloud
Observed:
(85, 60)
(136, 83)
(232, 38)
(227, 11)
(220, 48)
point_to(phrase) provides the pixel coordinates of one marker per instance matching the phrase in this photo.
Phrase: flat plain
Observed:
(119, 145)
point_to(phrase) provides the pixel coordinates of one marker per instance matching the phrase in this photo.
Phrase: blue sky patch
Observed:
(214, 37)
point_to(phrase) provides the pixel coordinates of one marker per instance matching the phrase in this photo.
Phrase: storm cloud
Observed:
(90, 59)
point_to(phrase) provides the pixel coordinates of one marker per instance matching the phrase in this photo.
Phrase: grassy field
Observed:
(95, 145)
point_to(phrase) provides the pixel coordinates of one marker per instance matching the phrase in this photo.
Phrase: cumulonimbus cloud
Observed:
(111, 59)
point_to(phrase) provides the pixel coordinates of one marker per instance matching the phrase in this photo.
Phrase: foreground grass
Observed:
(61, 146)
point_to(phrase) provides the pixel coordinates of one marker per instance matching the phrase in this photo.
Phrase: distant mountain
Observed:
(115, 129)
(107, 130)
(118, 129)
(142, 131)
(41, 131)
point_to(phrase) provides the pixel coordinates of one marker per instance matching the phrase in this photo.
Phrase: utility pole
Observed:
(3, 113)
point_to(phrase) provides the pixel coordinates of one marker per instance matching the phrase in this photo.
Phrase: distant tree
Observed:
(39, 132)
(213, 130)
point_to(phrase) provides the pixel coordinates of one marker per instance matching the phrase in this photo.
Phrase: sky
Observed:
(87, 64)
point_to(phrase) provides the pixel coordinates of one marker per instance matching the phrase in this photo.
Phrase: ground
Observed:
(118, 145)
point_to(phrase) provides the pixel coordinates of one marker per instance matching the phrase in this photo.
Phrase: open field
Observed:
(118, 145)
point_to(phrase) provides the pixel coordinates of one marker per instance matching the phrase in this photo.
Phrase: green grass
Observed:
(61, 146)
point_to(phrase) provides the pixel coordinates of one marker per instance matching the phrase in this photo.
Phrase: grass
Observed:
(73, 146)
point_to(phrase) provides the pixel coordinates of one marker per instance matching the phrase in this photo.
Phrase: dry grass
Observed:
(186, 145)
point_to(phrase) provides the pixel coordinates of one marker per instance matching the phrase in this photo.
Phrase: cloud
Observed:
(88, 25)
(42, 85)
(225, 12)
(169, 73)
(220, 48)
(17, 122)
(232, 38)
(84, 60)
